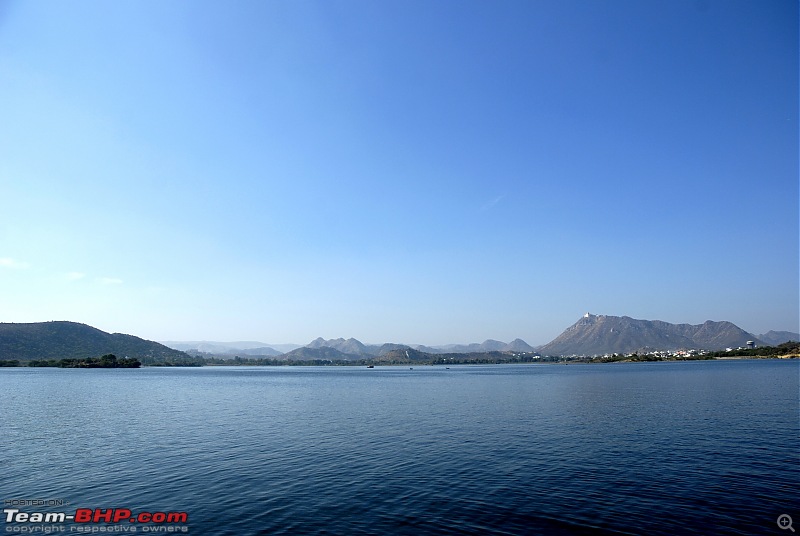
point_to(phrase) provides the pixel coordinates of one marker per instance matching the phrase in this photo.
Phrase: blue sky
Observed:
(419, 172)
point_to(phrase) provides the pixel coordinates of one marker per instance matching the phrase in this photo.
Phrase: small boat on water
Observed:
(370, 366)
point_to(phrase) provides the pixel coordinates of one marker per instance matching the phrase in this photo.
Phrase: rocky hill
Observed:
(602, 334)
(350, 346)
(71, 340)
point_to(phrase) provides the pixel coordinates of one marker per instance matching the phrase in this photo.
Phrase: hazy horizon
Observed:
(429, 173)
(249, 344)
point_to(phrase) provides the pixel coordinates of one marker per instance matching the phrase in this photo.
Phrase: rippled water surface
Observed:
(661, 448)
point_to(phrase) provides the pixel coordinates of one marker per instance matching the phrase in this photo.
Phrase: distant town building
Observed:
(751, 344)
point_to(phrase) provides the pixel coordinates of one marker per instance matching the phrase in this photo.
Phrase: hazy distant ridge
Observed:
(355, 349)
(231, 348)
(489, 345)
(774, 338)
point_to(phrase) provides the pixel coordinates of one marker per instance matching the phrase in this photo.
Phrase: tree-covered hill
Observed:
(42, 341)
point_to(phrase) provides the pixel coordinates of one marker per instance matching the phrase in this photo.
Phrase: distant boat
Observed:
(370, 366)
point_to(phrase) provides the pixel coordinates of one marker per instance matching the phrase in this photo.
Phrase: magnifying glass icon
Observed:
(785, 522)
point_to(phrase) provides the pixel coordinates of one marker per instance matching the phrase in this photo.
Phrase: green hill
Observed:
(70, 340)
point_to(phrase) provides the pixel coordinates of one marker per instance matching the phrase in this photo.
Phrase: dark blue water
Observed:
(661, 448)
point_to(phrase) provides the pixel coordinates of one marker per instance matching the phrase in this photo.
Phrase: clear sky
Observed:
(408, 171)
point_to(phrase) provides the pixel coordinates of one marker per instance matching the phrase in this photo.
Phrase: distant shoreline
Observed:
(110, 361)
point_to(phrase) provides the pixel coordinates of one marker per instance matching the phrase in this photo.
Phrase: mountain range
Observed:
(350, 348)
(353, 349)
(602, 334)
(590, 335)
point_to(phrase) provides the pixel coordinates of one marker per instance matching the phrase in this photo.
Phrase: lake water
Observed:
(640, 448)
